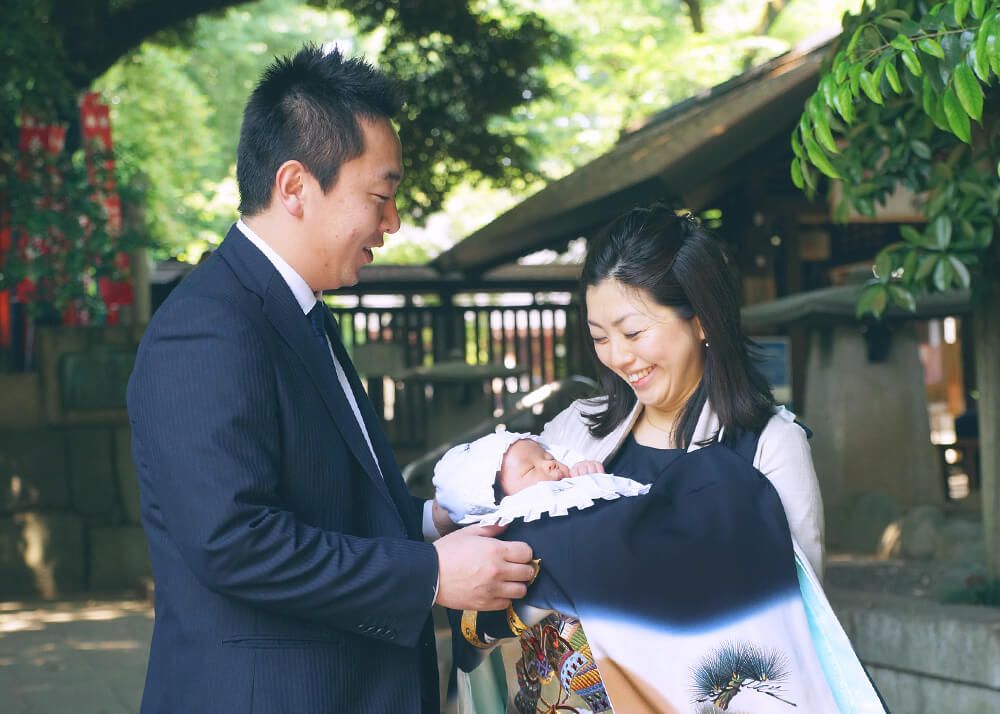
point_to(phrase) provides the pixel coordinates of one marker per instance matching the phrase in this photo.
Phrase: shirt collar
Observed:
(299, 287)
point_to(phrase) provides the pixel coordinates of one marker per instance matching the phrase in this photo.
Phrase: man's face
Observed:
(527, 463)
(343, 226)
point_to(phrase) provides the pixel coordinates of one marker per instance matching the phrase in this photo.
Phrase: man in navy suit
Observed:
(289, 560)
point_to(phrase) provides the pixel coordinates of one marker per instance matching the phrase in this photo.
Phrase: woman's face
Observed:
(658, 353)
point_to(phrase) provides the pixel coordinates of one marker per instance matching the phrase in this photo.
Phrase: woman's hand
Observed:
(581, 468)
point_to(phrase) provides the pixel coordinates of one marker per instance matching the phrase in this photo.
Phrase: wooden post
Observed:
(987, 347)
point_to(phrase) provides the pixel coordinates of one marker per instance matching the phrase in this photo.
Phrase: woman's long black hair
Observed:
(681, 266)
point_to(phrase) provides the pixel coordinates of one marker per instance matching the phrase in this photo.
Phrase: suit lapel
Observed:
(259, 276)
(380, 443)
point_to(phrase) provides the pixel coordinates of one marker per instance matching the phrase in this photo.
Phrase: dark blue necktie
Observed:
(318, 324)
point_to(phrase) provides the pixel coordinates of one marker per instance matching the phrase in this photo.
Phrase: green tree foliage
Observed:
(911, 99)
(462, 67)
(906, 101)
(164, 147)
(632, 60)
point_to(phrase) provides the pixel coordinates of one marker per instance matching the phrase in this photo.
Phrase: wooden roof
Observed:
(678, 156)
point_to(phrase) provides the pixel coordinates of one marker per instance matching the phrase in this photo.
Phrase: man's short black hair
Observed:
(306, 108)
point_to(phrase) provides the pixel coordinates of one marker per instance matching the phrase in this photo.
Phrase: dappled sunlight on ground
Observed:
(86, 657)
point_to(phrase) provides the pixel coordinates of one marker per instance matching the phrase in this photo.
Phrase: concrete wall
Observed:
(69, 502)
(926, 658)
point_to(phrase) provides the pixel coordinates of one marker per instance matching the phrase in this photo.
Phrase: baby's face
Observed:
(527, 463)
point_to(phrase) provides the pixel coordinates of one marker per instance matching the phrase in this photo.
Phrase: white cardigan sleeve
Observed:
(783, 456)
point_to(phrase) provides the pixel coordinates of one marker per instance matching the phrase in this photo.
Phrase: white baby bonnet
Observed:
(464, 479)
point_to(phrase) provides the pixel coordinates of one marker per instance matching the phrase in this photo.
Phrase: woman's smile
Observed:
(641, 378)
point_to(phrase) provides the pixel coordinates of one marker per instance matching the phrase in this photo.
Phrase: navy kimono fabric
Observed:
(689, 596)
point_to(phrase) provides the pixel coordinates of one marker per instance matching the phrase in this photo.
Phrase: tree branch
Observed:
(95, 37)
(694, 9)
(771, 12)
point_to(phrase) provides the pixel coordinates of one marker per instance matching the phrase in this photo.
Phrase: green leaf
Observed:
(903, 297)
(797, 145)
(845, 104)
(880, 302)
(840, 67)
(931, 47)
(872, 300)
(868, 85)
(958, 120)
(902, 43)
(993, 46)
(942, 275)
(920, 149)
(961, 8)
(854, 39)
(927, 265)
(853, 74)
(942, 232)
(892, 76)
(821, 127)
(932, 105)
(883, 266)
(961, 271)
(819, 159)
(910, 266)
(911, 235)
(978, 8)
(980, 61)
(912, 63)
(969, 91)
(797, 174)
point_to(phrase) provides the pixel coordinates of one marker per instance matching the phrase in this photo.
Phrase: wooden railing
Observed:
(538, 340)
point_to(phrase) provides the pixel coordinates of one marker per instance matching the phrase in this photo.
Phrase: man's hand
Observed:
(478, 572)
(581, 468)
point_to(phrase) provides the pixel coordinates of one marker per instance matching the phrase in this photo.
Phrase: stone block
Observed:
(913, 694)
(118, 559)
(83, 372)
(128, 481)
(957, 643)
(33, 471)
(95, 380)
(92, 474)
(919, 532)
(858, 523)
(21, 406)
(41, 555)
(957, 535)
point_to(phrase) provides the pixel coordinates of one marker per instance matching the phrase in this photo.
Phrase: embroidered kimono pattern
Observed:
(557, 672)
(691, 599)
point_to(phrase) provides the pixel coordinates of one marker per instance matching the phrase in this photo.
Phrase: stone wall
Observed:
(69, 502)
(872, 446)
(926, 658)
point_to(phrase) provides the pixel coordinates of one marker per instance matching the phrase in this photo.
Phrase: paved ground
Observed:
(83, 657)
(89, 657)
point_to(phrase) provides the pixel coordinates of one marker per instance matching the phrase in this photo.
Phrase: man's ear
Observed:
(289, 187)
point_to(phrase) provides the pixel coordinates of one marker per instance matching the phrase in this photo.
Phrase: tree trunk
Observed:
(694, 9)
(771, 12)
(987, 346)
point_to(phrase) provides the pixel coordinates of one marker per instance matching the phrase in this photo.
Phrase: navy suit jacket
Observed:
(290, 575)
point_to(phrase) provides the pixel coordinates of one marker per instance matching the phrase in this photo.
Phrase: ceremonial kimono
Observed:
(693, 597)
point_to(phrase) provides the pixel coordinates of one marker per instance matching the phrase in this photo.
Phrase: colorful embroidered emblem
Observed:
(557, 671)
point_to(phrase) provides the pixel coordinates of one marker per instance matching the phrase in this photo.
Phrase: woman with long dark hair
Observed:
(709, 564)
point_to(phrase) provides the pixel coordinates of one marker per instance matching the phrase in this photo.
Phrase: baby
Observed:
(509, 475)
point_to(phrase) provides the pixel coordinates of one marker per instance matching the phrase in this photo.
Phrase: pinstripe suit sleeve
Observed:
(204, 410)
